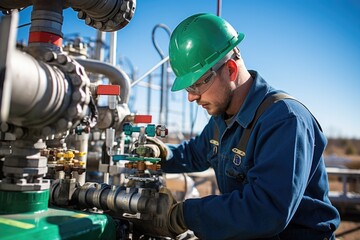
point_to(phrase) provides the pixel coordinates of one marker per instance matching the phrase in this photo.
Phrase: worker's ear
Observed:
(232, 68)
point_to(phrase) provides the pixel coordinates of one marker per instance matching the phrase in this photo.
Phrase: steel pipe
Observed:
(115, 75)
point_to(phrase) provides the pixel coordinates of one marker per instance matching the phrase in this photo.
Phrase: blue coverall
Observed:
(277, 191)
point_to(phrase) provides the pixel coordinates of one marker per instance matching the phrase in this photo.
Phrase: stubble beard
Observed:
(221, 105)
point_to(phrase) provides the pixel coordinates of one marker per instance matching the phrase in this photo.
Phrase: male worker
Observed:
(275, 188)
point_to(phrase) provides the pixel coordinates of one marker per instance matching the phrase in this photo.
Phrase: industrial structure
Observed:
(55, 136)
(71, 168)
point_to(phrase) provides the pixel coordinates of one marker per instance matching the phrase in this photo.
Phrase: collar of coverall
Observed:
(257, 93)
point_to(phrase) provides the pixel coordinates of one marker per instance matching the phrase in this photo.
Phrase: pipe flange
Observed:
(107, 17)
(78, 93)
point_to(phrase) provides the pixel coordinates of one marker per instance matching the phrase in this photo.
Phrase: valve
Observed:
(144, 156)
(161, 131)
(64, 160)
(150, 129)
(113, 93)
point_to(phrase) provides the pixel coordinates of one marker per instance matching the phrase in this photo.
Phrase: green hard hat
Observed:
(197, 44)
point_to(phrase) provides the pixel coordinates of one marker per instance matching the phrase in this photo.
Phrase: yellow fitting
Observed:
(69, 155)
(80, 154)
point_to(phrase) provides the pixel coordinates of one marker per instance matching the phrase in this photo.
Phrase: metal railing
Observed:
(350, 186)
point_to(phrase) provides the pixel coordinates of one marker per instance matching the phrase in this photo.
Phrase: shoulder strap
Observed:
(261, 109)
(241, 147)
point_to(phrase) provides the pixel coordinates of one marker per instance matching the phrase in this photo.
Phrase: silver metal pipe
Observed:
(8, 35)
(45, 94)
(113, 42)
(57, 90)
(99, 46)
(117, 199)
(115, 75)
(150, 71)
(56, 97)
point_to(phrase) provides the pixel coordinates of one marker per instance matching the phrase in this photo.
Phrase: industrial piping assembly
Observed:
(48, 103)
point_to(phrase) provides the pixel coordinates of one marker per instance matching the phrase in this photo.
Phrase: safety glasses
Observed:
(203, 84)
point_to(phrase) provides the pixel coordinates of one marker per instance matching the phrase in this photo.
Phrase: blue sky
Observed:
(309, 48)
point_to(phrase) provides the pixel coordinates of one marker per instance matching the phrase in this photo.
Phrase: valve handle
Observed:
(113, 90)
(142, 119)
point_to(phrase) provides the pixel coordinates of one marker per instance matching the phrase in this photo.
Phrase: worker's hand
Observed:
(167, 220)
(169, 216)
(160, 145)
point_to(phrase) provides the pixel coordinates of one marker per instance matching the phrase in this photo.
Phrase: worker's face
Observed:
(216, 98)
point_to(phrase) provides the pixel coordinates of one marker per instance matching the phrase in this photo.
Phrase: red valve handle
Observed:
(108, 90)
(142, 119)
